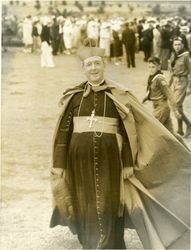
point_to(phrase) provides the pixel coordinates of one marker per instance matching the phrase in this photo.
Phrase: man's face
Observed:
(94, 69)
(153, 68)
(177, 45)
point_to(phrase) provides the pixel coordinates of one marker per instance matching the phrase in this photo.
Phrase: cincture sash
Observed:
(101, 124)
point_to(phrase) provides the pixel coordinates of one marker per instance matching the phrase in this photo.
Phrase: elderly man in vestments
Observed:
(116, 166)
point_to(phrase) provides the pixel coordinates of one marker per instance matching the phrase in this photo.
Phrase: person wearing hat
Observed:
(180, 70)
(107, 150)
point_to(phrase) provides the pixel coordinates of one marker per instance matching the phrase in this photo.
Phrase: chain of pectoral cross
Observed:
(92, 118)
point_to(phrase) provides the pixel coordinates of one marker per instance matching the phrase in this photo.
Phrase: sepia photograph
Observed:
(95, 125)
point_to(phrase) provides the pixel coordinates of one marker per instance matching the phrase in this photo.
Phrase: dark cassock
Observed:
(94, 166)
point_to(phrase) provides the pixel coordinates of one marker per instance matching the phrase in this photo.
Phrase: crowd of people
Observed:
(118, 36)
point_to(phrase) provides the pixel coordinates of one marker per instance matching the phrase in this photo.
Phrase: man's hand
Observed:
(127, 172)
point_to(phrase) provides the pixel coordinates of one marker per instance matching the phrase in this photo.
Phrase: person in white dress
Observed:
(67, 35)
(105, 38)
(156, 41)
(93, 29)
(27, 34)
(76, 35)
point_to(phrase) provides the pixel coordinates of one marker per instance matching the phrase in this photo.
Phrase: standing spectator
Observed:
(156, 41)
(46, 49)
(139, 31)
(35, 36)
(27, 34)
(105, 38)
(3, 34)
(147, 41)
(67, 35)
(166, 35)
(83, 28)
(54, 33)
(134, 27)
(180, 70)
(129, 40)
(116, 47)
(76, 36)
(61, 45)
(93, 29)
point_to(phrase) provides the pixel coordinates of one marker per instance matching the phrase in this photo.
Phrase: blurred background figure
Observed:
(76, 35)
(105, 38)
(166, 34)
(46, 49)
(36, 31)
(61, 46)
(27, 34)
(156, 41)
(3, 34)
(129, 40)
(116, 48)
(54, 33)
(139, 32)
(147, 41)
(93, 29)
(67, 35)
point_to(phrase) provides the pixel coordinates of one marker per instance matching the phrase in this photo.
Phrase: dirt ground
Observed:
(30, 97)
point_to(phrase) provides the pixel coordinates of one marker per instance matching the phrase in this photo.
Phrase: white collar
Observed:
(96, 85)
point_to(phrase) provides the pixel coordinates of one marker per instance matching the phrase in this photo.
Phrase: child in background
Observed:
(160, 94)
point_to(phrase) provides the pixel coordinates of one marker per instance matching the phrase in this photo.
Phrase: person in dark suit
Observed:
(129, 40)
(147, 42)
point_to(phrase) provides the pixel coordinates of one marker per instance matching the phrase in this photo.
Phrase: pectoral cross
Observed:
(91, 119)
